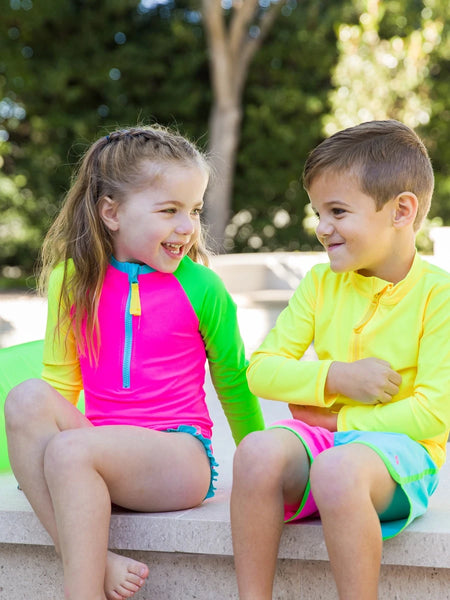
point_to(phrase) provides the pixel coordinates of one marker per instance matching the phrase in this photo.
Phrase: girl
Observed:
(132, 318)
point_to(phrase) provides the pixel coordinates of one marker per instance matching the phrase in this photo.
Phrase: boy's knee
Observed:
(23, 402)
(259, 460)
(333, 479)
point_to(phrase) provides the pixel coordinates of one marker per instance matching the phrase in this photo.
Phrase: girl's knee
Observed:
(24, 402)
(65, 452)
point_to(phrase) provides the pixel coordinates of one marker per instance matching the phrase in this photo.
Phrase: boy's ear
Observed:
(107, 209)
(405, 209)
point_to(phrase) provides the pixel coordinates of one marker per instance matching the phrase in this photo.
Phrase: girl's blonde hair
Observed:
(111, 167)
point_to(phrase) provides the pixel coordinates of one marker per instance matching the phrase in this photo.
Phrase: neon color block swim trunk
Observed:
(315, 441)
(408, 463)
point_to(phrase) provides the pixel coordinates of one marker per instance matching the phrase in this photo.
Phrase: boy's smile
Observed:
(355, 235)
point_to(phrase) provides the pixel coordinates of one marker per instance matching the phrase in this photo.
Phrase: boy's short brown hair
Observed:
(387, 157)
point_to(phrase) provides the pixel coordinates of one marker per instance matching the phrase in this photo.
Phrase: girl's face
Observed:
(158, 225)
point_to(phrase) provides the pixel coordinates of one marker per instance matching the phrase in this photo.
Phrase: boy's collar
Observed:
(372, 286)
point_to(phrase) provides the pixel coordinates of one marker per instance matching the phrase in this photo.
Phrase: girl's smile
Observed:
(158, 224)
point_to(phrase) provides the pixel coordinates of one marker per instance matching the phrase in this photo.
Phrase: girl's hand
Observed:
(369, 380)
(315, 416)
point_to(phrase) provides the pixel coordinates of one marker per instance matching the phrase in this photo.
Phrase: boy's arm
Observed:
(425, 412)
(369, 380)
(276, 371)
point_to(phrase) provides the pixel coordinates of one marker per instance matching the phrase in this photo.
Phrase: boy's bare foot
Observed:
(124, 576)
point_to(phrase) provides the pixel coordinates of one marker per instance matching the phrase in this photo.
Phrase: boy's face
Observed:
(355, 235)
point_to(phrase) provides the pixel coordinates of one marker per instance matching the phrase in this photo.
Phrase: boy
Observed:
(371, 415)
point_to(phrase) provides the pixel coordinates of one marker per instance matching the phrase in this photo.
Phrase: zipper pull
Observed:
(135, 301)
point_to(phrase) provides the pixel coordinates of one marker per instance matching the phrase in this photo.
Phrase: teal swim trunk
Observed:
(409, 465)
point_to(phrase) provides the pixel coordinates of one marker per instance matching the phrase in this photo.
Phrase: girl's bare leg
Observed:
(271, 468)
(133, 467)
(35, 413)
(351, 486)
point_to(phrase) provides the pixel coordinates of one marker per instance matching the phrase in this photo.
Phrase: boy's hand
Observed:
(315, 416)
(369, 380)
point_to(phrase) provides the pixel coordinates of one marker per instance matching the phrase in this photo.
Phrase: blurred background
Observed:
(256, 83)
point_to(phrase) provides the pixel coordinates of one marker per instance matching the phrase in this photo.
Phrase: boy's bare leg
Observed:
(271, 468)
(351, 486)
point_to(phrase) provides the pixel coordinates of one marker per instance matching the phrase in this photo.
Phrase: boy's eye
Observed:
(337, 211)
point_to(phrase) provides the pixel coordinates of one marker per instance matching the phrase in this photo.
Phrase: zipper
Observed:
(367, 317)
(132, 309)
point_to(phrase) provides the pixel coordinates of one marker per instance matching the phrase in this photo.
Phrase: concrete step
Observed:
(190, 553)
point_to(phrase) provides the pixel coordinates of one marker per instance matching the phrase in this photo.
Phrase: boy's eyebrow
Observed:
(328, 202)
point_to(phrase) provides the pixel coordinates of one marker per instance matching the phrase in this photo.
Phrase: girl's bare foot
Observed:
(124, 576)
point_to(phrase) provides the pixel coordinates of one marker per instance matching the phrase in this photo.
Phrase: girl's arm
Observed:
(226, 356)
(61, 365)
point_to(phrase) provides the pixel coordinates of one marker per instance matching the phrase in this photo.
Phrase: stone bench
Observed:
(190, 553)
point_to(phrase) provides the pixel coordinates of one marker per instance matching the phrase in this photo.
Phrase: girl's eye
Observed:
(197, 212)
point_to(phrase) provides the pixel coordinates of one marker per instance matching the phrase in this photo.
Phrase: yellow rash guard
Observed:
(350, 317)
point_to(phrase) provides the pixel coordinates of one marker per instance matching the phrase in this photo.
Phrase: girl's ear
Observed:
(405, 210)
(108, 209)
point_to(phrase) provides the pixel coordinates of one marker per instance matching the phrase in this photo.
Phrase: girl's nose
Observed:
(185, 225)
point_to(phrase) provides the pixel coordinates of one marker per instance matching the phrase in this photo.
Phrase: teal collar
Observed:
(132, 269)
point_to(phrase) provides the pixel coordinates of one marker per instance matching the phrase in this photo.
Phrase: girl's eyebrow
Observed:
(198, 204)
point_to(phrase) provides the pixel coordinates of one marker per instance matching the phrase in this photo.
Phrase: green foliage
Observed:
(286, 95)
(70, 71)
(73, 70)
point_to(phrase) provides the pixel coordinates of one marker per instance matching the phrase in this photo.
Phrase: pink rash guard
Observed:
(157, 331)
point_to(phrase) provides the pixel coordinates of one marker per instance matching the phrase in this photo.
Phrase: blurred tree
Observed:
(286, 95)
(71, 71)
(235, 31)
(383, 72)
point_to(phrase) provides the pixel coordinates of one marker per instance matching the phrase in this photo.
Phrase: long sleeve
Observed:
(61, 368)
(424, 412)
(276, 371)
(224, 347)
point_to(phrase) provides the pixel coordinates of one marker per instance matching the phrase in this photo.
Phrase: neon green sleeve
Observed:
(276, 371)
(61, 366)
(219, 328)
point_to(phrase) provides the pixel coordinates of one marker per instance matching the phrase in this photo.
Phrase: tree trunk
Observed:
(231, 50)
(224, 134)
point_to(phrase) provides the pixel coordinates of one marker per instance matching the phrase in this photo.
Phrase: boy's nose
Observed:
(324, 228)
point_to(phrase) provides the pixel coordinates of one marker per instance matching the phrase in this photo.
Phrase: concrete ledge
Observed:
(190, 552)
